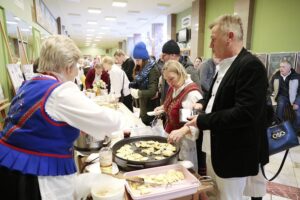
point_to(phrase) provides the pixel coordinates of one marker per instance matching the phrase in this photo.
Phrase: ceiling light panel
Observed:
(74, 14)
(92, 23)
(163, 6)
(94, 10)
(11, 22)
(109, 18)
(119, 4)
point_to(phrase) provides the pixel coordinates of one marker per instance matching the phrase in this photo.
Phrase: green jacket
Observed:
(145, 96)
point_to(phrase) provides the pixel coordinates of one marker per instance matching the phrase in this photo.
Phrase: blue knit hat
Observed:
(140, 51)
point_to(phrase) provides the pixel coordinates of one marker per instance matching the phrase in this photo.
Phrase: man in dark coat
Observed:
(234, 122)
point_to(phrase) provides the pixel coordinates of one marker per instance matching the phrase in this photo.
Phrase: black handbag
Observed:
(281, 137)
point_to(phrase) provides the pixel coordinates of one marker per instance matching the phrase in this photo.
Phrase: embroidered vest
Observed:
(172, 107)
(31, 141)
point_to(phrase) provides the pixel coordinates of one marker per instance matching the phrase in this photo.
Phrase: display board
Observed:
(16, 75)
(1, 93)
(275, 59)
(28, 71)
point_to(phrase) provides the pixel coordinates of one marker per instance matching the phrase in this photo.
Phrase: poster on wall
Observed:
(298, 63)
(275, 59)
(15, 75)
(28, 71)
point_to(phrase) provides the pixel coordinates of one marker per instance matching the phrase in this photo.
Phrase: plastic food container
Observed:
(108, 188)
(189, 185)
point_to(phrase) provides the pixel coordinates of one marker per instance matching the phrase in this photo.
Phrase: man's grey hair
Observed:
(230, 23)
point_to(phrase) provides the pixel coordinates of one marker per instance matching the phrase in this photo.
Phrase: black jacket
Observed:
(238, 119)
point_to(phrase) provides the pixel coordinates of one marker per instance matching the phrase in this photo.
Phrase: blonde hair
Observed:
(57, 53)
(229, 23)
(119, 52)
(98, 66)
(175, 67)
(108, 60)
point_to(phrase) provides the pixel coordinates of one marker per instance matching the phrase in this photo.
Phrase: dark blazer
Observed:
(238, 119)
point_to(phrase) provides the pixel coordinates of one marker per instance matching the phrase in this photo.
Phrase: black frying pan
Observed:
(128, 165)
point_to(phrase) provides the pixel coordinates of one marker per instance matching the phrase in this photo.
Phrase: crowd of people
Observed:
(226, 139)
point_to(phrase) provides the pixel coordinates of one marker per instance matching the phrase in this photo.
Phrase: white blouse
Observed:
(68, 104)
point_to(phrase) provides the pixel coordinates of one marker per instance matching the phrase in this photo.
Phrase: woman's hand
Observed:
(159, 108)
(197, 106)
(295, 107)
(176, 135)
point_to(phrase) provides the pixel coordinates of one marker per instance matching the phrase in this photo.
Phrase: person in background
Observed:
(145, 84)
(45, 116)
(119, 83)
(235, 122)
(194, 71)
(170, 51)
(286, 91)
(80, 75)
(126, 62)
(183, 93)
(95, 74)
(207, 73)
(86, 66)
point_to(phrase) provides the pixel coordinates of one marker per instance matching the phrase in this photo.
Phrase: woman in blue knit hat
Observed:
(145, 83)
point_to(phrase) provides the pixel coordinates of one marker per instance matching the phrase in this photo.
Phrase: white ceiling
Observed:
(74, 16)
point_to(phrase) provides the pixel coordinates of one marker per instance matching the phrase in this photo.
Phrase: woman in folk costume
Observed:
(44, 119)
(145, 84)
(183, 93)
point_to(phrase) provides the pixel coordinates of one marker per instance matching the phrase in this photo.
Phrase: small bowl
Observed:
(110, 189)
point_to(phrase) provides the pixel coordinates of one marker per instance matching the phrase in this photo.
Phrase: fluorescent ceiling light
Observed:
(163, 6)
(97, 40)
(119, 3)
(134, 11)
(101, 33)
(90, 30)
(99, 37)
(89, 34)
(105, 27)
(110, 18)
(74, 14)
(94, 10)
(92, 23)
(17, 18)
(11, 22)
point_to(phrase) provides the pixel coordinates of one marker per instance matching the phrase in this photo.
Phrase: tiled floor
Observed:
(287, 184)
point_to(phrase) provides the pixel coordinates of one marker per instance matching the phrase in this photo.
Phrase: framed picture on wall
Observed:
(44, 17)
(298, 63)
(263, 57)
(275, 59)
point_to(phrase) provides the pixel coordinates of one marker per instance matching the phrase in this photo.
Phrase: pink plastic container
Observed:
(178, 189)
